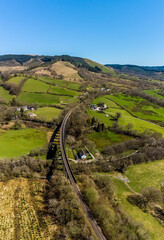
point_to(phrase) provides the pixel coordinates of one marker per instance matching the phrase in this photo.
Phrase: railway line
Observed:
(69, 174)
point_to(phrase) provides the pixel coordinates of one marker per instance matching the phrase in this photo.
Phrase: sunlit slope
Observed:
(100, 66)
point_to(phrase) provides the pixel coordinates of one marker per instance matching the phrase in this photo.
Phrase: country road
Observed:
(69, 174)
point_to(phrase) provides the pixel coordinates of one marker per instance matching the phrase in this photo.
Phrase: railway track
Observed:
(69, 174)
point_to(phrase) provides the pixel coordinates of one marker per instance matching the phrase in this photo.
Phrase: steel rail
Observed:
(69, 174)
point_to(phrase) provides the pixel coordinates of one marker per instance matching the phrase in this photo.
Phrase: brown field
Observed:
(41, 71)
(67, 70)
(21, 210)
(12, 68)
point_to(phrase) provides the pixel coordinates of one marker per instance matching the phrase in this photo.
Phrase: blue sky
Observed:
(107, 31)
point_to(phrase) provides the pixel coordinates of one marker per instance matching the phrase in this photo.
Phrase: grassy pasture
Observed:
(146, 174)
(67, 84)
(19, 142)
(106, 138)
(46, 79)
(43, 99)
(61, 83)
(148, 221)
(153, 93)
(32, 85)
(140, 107)
(4, 94)
(102, 67)
(15, 80)
(47, 113)
(138, 124)
(62, 91)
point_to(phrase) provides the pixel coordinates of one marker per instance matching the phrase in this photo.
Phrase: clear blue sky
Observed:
(107, 31)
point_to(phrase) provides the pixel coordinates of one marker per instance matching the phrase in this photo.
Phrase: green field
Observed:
(140, 107)
(153, 93)
(46, 79)
(126, 118)
(4, 94)
(148, 221)
(43, 99)
(67, 84)
(32, 85)
(106, 138)
(61, 83)
(100, 66)
(146, 174)
(19, 142)
(62, 91)
(15, 80)
(69, 152)
(47, 113)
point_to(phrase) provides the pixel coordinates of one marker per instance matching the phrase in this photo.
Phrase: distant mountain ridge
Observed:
(146, 71)
(16, 62)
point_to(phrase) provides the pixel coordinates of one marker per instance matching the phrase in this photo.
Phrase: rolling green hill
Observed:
(116, 121)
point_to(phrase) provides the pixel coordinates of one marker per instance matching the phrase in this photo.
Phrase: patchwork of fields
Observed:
(140, 107)
(21, 200)
(142, 116)
(43, 91)
(134, 111)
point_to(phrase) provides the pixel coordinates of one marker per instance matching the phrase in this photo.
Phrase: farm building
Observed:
(99, 107)
(81, 154)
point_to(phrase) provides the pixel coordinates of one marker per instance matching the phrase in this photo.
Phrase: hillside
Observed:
(142, 71)
(114, 144)
(23, 62)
